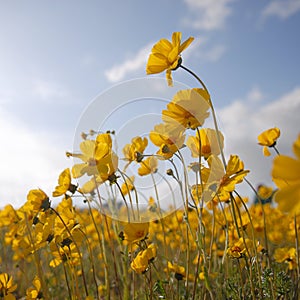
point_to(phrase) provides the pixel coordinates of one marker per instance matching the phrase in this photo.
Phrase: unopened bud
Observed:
(170, 172)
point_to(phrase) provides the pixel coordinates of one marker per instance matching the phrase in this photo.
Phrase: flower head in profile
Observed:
(165, 55)
(218, 183)
(168, 137)
(235, 174)
(38, 200)
(64, 184)
(286, 175)
(133, 151)
(268, 139)
(134, 232)
(188, 107)
(34, 292)
(179, 270)
(264, 194)
(287, 255)
(127, 186)
(148, 166)
(63, 254)
(205, 143)
(140, 264)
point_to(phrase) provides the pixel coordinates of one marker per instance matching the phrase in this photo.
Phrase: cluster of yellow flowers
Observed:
(217, 245)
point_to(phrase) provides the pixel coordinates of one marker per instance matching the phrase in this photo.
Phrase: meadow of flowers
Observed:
(100, 239)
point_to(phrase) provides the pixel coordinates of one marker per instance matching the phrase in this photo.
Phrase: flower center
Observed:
(92, 162)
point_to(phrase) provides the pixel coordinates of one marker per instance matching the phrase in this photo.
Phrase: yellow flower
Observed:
(188, 107)
(34, 292)
(168, 137)
(165, 55)
(8, 215)
(205, 143)
(140, 264)
(212, 276)
(127, 186)
(38, 200)
(87, 155)
(98, 158)
(179, 271)
(64, 184)
(217, 184)
(134, 232)
(235, 174)
(268, 139)
(7, 286)
(240, 248)
(286, 175)
(135, 149)
(264, 194)
(64, 254)
(148, 166)
(287, 255)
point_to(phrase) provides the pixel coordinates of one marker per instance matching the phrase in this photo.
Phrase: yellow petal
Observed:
(87, 148)
(288, 198)
(286, 168)
(296, 147)
(176, 38)
(169, 78)
(266, 151)
(37, 283)
(156, 64)
(78, 170)
(163, 46)
(186, 43)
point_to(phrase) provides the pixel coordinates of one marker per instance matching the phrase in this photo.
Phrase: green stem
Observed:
(276, 150)
(111, 244)
(297, 244)
(37, 260)
(77, 248)
(264, 220)
(213, 112)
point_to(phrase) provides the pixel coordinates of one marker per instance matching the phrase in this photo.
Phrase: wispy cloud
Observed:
(207, 14)
(135, 63)
(244, 119)
(282, 9)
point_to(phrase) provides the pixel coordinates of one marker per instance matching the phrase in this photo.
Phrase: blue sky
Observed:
(57, 56)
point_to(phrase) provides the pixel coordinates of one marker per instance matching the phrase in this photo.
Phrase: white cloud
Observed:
(281, 8)
(119, 72)
(208, 14)
(28, 160)
(243, 120)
